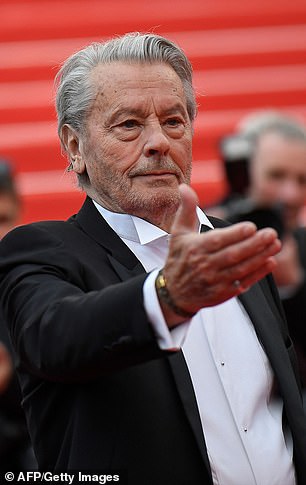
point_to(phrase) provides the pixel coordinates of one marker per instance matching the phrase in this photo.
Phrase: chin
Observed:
(162, 196)
(159, 187)
(153, 200)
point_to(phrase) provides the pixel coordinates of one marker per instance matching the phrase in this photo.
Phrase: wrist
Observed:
(166, 298)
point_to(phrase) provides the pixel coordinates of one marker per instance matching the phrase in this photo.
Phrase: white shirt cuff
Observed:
(166, 339)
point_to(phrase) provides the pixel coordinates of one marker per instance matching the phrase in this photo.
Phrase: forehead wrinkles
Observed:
(119, 79)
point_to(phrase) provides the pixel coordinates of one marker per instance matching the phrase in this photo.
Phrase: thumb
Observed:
(186, 219)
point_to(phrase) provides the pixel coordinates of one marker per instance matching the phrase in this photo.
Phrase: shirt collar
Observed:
(136, 229)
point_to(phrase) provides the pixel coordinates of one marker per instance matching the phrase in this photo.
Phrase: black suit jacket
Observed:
(98, 392)
(295, 307)
(15, 449)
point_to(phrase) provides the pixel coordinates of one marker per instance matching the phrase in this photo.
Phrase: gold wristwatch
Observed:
(164, 295)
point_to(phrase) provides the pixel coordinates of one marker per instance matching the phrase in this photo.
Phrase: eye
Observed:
(128, 129)
(275, 174)
(129, 124)
(174, 122)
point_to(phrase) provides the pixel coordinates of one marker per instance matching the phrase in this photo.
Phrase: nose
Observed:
(157, 143)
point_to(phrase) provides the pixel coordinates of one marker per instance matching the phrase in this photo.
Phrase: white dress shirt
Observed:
(231, 375)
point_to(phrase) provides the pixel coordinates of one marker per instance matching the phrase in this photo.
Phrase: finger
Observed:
(252, 264)
(246, 282)
(262, 244)
(186, 219)
(218, 239)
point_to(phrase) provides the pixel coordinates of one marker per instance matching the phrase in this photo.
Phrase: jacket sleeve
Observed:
(63, 329)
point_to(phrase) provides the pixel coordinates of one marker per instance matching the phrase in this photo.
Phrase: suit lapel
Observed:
(185, 389)
(266, 320)
(267, 328)
(122, 259)
(123, 271)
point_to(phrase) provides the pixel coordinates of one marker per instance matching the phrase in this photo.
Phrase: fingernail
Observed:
(268, 234)
(248, 228)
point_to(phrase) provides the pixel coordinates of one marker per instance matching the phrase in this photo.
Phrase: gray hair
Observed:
(242, 144)
(75, 91)
(254, 126)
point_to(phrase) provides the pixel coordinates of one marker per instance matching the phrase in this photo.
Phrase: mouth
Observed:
(156, 179)
(159, 174)
(156, 174)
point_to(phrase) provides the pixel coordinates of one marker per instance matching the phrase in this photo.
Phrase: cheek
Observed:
(182, 151)
(102, 157)
(264, 189)
(301, 196)
(271, 189)
(120, 155)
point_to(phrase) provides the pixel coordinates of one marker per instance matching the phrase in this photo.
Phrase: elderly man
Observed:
(149, 343)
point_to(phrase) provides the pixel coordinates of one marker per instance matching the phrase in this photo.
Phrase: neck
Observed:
(159, 211)
(164, 221)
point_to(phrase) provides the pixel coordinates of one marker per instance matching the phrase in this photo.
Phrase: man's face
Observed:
(278, 175)
(137, 146)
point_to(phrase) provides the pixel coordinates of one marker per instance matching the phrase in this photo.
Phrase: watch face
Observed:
(160, 281)
(163, 293)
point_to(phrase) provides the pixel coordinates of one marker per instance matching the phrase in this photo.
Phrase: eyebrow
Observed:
(139, 112)
(125, 112)
(177, 108)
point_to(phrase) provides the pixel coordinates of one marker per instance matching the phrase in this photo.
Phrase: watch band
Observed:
(163, 293)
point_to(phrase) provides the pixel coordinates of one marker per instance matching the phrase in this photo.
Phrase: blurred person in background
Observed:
(265, 162)
(15, 450)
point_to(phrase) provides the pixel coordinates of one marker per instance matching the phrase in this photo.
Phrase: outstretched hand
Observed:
(209, 268)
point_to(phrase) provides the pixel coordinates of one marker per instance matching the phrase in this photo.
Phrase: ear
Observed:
(71, 143)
